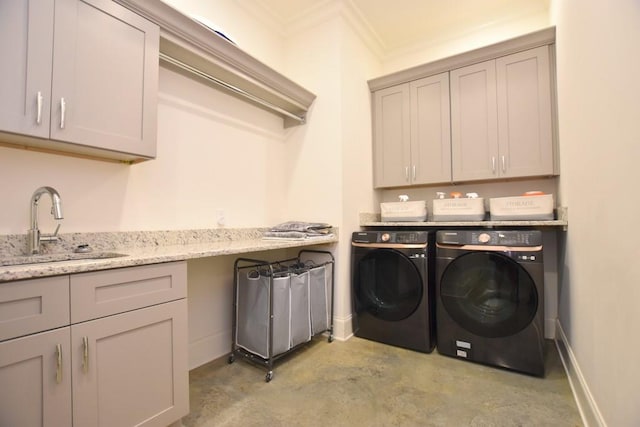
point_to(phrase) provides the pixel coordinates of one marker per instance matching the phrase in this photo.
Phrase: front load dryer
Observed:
(392, 292)
(490, 297)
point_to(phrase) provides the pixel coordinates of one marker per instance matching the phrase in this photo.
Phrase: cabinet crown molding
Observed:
(193, 48)
(543, 37)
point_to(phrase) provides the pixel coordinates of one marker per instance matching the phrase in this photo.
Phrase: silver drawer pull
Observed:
(63, 111)
(58, 363)
(85, 354)
(39, 103)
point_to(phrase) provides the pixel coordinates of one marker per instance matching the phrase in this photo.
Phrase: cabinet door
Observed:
(35, 373)
(474, 124)
(105, 77)
(392, 136)
(430, 130)
(524, 113)
(131, 368)
(26, 45)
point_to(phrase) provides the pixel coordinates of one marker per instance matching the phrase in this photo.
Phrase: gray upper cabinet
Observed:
(480, 115)
(525, 111)
(392, 141)
(26, 43)
(501, 113)
(411, 133)
(83, 74)
(474, 125)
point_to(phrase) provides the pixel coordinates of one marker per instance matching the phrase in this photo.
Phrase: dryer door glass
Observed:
(488, 294)
(388, 285)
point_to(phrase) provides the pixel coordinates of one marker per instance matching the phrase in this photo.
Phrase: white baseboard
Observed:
(342, 329)
(587, 406)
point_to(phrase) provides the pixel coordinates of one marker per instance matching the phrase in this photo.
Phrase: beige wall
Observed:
(599, 107)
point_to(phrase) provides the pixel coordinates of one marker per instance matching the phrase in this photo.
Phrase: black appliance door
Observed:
(387, 284)
(488, 294)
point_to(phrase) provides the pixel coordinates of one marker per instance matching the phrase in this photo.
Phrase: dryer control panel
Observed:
(514, 238)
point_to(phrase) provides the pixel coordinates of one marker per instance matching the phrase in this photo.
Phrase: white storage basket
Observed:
(403, 211)
(466, 209)
(522, 208)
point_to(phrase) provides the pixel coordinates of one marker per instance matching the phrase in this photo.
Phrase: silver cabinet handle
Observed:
(504, 165)
(85, 354)
(493, 165)
(58, 363)
(406, 173)
(413, 173)
(63, 110)
(39, 113)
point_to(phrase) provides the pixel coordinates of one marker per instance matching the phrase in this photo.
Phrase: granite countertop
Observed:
(143, 248)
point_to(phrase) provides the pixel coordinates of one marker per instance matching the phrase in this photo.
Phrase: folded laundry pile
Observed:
(298, 230)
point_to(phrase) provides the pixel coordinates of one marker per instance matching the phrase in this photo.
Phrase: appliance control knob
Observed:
(484, 238)
(385, 237)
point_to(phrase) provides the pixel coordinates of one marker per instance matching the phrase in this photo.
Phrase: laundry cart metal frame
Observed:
(272, 269)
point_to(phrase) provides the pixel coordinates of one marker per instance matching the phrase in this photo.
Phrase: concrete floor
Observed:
(364, 383)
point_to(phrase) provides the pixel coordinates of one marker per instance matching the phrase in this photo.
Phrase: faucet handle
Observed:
(50, 237)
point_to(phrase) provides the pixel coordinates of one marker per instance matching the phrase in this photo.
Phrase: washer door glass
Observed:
(388, 285)
(488, 294)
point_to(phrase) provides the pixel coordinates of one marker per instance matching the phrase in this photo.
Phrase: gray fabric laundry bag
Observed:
(319, 286)
(252, 322)
(300, 317)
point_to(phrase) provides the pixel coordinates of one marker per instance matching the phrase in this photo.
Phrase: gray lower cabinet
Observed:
(411, 133)
(501, 118)
(115, 355)
(36, 382)
(78, 76)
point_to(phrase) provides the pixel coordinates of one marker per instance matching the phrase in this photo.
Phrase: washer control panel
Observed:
(395, 237)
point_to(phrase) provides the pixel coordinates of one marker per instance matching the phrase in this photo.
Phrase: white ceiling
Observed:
(398, 23)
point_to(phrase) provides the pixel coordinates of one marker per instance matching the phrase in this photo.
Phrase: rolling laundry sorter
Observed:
(279, 306)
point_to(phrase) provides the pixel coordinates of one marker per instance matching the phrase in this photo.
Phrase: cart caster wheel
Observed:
(330, 339)
(269, 376)
(231, 359)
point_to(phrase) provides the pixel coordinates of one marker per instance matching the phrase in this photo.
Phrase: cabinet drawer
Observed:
(103, 293)
(29, 306)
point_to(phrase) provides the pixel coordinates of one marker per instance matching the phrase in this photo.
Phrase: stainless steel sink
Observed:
(39, 259)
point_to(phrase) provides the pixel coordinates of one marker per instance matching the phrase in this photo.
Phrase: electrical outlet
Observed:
(220, 218)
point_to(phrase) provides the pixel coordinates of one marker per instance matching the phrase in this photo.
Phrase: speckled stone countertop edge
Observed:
(237, 241)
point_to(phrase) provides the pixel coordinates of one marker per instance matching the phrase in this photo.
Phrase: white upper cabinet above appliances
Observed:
(80, 76)
(501, 117)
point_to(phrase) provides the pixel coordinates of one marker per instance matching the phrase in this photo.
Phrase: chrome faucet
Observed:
(34, 236)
